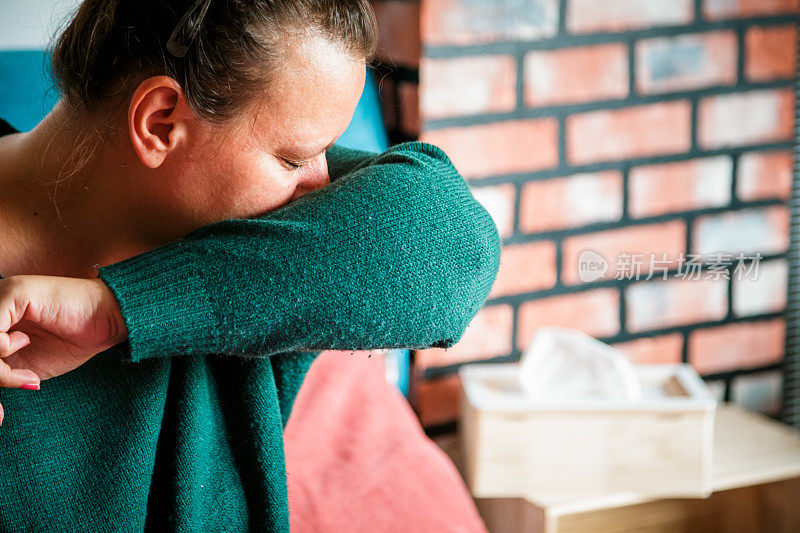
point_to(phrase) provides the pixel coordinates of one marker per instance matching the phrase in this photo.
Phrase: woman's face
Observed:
(277, 153)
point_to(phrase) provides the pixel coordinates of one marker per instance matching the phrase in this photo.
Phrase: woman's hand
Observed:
(50, 325)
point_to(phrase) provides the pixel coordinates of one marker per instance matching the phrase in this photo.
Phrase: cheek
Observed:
(257, 185)
(243, 183)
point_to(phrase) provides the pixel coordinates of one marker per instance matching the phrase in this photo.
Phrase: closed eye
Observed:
(292, 165)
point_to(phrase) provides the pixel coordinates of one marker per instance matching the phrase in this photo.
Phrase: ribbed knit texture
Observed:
(180, 428)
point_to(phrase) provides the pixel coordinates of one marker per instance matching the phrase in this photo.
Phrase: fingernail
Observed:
(30, 386)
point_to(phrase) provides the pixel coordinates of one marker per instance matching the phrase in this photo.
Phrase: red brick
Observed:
(761, 291)
(764, 230)
(737, 346)
(499, 148)
(499, 202)
(746, 118)
(594, 312)
(398, 31)
(573, 75)
(640, 131)
(571, 201)
(760, 392)
(525, 268)
(488, 335)
(763, 175)
(658, 239)
(468, 85)
(457, 22)
(585, 16)
(657, 304)
(400, 105)
(438, 401)
(409, 108)
(389, 106)
(686, 62)
(681, 186)
(771, 52)
(664, 349)
(721, 9)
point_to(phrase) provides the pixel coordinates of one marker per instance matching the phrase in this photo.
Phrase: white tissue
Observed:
(566, 364)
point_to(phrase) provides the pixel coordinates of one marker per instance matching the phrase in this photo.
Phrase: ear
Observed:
(159, 119)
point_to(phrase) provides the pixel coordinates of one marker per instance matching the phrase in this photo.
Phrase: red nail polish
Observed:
(30, 386)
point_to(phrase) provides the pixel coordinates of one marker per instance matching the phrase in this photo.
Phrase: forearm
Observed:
(396, 252)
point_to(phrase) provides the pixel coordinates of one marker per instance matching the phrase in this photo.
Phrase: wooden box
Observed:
(755, 478)
(515, 447)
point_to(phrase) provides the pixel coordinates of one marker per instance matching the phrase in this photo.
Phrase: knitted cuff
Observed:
(152, 295)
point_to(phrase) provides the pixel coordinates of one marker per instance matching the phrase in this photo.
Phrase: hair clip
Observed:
(182, 37)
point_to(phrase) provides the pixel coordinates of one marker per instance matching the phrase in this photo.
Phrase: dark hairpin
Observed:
(183, 34)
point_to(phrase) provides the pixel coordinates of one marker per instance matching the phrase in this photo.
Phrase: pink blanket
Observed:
(357, 458)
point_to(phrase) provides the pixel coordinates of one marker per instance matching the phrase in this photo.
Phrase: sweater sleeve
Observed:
(394, 253)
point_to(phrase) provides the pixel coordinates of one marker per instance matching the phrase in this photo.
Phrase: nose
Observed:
(314, 176)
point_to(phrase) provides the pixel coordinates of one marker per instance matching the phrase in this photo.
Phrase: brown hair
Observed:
(111, 43)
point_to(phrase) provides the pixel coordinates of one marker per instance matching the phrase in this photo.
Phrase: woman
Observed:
(174, 363)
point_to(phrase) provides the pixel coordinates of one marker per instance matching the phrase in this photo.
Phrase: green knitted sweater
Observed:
(181, 427)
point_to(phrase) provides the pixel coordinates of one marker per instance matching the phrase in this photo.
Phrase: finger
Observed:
(11, 342)
(1, 414)
(18, 378)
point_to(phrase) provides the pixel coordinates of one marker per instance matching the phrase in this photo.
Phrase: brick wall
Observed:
(631, 127)
(397, 67)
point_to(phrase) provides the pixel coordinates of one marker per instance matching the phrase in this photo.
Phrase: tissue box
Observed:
(516, 447)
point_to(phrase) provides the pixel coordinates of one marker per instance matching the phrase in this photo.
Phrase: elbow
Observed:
(480, 264)
(468, 242)
(491, 247)
(473, 230)
(462, 299)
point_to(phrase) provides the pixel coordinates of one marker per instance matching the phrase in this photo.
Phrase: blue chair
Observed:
(27, 94)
